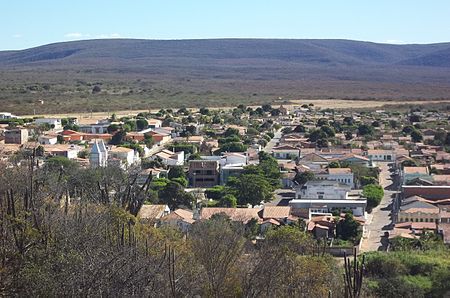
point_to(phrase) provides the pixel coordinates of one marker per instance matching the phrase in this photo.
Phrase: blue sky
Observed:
(31, 23)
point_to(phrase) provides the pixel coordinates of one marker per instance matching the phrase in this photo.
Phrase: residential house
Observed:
(417, 209)
(243, 215)
(153, 213)
(48, 139)
(5, 115)
(16, 136)
(355, 159)
(180, 218)
(69, 151)
(203, 173)
(411, 173)
(342, 175)
(381, 155)
(323, 197)
(285, 152)
(124, 156)
(54, 123)
(322, 189)
(154, 123)
(170, 158)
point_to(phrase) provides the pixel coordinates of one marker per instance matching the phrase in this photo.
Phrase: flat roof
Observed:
(326, 201)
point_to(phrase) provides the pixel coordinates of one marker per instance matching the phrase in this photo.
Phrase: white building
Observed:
(125, 156)
(55, 123)
(97, 128)
(324, 197)
(47, 140)
(99, 154)
(286, 152)
(381, 155)
(322, 189)
(5, 115)
(171, 158)
(342, 175)
(306, 207)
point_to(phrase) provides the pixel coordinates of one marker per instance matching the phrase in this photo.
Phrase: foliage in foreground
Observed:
(409, 273)
(96, 246)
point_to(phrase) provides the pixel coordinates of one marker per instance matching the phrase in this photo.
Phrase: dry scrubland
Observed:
(152, 74)
(88, 117)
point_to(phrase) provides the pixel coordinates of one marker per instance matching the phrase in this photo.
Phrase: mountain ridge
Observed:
(218, 72)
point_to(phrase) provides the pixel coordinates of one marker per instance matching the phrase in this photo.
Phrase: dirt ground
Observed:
(84, 118)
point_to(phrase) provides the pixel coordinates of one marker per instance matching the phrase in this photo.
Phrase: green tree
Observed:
(180, 180)
(118, 138)
(231, 132)
(251, 189)
(374, 194)
(176, 172)
(416, 136)
(174, 196)
(141, 124)
(348, 228)
(365, 130)
(228, 201)
(334, 164)
(303, 177)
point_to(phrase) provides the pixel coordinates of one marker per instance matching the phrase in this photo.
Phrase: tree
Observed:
(303, 177)
(180, 180)
(113, 128)
(300, 128)
(204, 111)
(416, 136)
(118, 138)
(176, 172)
(266, 107)
(130, 125)
(334, 164)
(217, 245)
(233, 147)
(215, 193)
(414, 118)
(393, 123)
(366, 180)
(231, 132)
(348, 135)
(322, 121)
(228, 201)
(316, 135)
(408, 129)
(348, 228)
(275, 112)
(251, 189)
(365, 130)
(141, 124)
(96, 89)
(174, 196)
(374, 194)
(348, 121)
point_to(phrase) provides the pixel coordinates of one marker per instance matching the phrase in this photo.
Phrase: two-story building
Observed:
(203, 173)
(16, 136)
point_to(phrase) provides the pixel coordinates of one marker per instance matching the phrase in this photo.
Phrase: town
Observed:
(354, 181)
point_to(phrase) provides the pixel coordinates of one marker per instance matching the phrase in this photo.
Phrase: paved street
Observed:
(379, 220)
(273, 142)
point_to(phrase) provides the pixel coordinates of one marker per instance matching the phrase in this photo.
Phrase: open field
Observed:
(84, 117)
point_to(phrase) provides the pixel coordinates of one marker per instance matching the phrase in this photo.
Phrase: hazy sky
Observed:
(30, 23)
